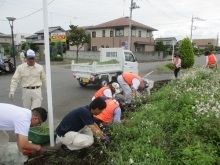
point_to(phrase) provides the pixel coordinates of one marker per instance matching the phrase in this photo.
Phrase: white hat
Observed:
(117, 87)
(30, 54)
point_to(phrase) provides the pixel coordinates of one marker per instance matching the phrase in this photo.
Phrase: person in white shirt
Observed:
(31, 76)
(20, 120)
(130, 83)
(22, 57)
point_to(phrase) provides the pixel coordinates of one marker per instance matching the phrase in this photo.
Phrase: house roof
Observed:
(51, 29)
(31, 37)
(166, 39)
(2, 35)
(121, 22)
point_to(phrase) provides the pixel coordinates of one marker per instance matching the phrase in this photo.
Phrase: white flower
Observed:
(131, 161)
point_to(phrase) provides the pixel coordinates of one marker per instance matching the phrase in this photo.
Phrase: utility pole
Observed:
(133, 6)
(194, 19)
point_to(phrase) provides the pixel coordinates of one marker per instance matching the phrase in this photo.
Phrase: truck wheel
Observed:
(82, 84)
(104, 82)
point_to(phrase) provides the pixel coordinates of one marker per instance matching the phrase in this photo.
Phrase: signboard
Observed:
(55, 37)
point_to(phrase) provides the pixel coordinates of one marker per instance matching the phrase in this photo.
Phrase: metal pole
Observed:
(13, 45)
(48, 72)
(191, 29)
(129, 34)
(173, 52)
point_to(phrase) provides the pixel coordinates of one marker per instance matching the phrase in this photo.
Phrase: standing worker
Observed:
(20, 120)
(177, 63)
(130, 83)
(211, 61)
(31, 76)
(22, 57)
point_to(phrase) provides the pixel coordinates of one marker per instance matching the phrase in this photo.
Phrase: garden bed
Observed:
(93, 155)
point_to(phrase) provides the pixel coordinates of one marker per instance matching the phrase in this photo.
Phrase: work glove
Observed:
(106, 140)
(40, 151)
(11, 96)
(27, 152)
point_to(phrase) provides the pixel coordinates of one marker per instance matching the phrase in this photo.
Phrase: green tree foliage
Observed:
(28, 45)
(59, 46)
(186, 53)
(159, 46)
(77, 37)
(54, 51)
(11, 51)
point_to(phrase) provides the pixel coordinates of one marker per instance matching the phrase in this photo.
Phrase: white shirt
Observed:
(15, 118)
(28, 76)
(135, 83)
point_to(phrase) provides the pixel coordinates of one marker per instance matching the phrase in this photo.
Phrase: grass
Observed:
(179, 124)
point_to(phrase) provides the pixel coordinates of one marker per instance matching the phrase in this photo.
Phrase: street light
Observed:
(10, 20)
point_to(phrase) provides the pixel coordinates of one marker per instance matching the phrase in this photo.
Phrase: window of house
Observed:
(119, 32)
(133, 32)
(111, 33)
(209, 43)
(93, 34)
(102, 46)
(94, 48)
(103, 33)
(139, 33)
(22, 37)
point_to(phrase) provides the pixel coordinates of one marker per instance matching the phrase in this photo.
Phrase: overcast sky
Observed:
(172, 18)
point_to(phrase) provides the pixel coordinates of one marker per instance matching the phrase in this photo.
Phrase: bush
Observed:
(56, 58)
(186, 53)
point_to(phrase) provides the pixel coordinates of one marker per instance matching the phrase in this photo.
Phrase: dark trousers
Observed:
(176, 71)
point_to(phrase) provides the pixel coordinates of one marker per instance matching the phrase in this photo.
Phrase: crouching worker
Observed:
(111, 114)
(20, 120)
(77, 128)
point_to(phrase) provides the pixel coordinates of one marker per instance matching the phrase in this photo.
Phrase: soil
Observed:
(93, 155)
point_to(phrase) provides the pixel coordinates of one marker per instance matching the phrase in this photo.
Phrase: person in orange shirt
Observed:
(211, 61)
(111, 114)
(107, 91)
(177, 63)
(130, 83)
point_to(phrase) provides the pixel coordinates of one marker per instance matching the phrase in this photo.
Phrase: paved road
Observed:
(66, 92)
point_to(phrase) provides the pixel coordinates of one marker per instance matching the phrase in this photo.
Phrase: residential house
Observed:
(167, 41)
(39, 38)
(5, 39)
(205, 43)
(31, 38)
(20, 38)
(115, 33)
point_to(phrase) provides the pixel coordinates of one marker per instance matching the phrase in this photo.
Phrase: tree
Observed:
(77, 37)
(59, 46)
(159, 46)
(186, 53)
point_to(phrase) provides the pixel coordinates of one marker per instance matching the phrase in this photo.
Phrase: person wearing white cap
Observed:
(108, 91)
(31, 76)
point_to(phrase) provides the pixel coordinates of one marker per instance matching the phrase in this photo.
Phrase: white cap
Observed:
(117, 87)
(30, 54)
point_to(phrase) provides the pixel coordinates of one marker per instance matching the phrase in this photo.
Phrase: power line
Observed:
(31, 13)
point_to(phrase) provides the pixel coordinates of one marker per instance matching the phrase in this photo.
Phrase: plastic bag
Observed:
(12, 155)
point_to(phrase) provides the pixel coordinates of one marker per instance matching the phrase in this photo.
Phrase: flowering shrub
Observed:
(179, 124)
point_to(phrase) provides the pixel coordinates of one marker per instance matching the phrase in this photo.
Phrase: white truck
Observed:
(101, 74)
